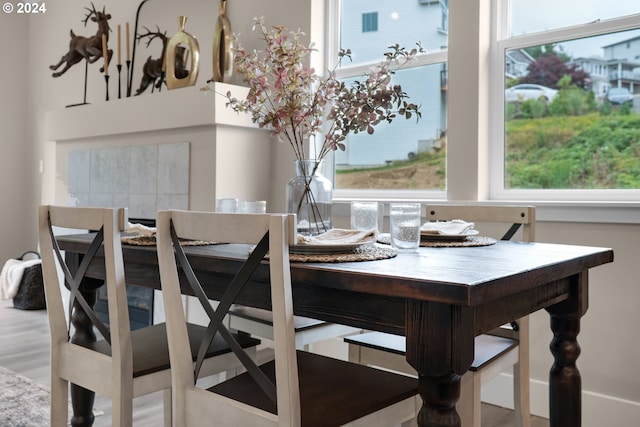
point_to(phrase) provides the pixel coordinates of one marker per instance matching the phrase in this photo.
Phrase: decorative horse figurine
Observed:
(89, 48)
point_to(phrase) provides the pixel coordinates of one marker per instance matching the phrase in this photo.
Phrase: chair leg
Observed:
(413, 422)
(521, 393)
(59, 402)
(468, 406)
(354, 354)
(122, 410)
(166, 404)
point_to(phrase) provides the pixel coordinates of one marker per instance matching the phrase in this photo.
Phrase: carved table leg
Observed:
(565, 383)
(440, 347)
(81, 398)
(439, 397)
(83, 334)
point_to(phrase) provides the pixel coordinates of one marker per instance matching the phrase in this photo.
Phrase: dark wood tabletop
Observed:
(439, 298)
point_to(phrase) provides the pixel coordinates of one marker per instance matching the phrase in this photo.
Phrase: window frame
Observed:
(480, 156)
(332, 42)
(502, 43)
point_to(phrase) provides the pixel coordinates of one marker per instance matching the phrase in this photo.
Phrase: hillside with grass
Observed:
(597, 150)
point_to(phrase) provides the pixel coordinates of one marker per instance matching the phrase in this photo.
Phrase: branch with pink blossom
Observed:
(293, 101)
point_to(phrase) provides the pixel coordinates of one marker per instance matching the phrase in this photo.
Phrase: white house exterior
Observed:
(365, 30)
(618, 67)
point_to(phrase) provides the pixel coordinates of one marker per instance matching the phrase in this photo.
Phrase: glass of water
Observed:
(227, 205)
(364, 215)
(253, 206)
(405, 225)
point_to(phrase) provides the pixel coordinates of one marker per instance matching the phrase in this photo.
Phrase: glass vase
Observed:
(309, 196)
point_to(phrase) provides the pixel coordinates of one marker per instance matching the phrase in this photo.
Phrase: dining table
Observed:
(439, 298)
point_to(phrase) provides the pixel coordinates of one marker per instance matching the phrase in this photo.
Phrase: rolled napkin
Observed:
(140, 229)
(339, 236)
(452, 228)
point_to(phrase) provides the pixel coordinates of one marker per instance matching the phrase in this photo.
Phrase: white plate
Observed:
(328, 249)
(449, 237)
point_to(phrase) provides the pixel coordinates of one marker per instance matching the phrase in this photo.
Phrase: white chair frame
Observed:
(192, 404)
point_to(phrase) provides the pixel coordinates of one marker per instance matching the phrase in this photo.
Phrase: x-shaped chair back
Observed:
(105, 247)
(263, 234)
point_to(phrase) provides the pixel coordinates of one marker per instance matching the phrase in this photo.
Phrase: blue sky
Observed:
(529, 17)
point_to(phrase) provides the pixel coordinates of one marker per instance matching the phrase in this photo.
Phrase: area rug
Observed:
(23, 402)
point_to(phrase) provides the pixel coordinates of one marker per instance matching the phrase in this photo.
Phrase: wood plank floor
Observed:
(24, 348)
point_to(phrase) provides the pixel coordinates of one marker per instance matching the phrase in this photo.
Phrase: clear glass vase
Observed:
(309, 196)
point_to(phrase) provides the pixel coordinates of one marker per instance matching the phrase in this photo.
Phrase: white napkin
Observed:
(140, 229)
(453, 227)
(338, 236)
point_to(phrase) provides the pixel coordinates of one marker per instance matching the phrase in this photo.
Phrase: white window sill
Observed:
(553, 211)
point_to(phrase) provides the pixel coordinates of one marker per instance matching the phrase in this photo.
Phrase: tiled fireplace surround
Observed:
(145, 178)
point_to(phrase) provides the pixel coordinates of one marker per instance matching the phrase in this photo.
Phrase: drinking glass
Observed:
(254, 206)
(226, 205)
(364, 215)
(405, 225)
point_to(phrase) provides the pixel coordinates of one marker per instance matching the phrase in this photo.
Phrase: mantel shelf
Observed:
(169, 109)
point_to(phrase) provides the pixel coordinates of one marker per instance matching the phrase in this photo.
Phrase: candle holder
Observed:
(106, 82)
(119, 67)
(128, 62)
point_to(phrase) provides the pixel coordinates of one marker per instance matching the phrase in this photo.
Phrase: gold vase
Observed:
(181, 61)
(222, 46)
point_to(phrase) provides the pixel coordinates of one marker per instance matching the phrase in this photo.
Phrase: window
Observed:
(444, 20)
(369, 22)
(403, 155)
(481, 134)
(571, 105)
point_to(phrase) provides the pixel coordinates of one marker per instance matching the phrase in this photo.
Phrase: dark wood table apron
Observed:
(439, 298)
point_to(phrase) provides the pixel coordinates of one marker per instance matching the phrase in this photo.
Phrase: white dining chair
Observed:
(504, 348)
(121, 364)
(297, 388)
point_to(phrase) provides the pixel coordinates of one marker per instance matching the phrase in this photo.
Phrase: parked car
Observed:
(619, 95)
(525, 91)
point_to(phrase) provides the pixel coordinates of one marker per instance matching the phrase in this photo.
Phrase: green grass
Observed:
(574, 152)
(598, 150)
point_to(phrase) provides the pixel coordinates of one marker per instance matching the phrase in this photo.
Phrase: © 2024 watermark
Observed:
(22, 8)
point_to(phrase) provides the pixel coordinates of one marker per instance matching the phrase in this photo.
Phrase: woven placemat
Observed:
(468, 241)
(385, 238)
(363, 253)
(151, 241)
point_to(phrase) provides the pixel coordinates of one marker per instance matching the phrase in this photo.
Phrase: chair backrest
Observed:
(106, 247)
(270, 233)
(516, 216)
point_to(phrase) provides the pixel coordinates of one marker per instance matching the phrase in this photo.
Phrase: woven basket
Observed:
(30, 295)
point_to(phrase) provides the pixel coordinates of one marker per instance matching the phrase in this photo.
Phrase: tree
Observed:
(547, 70)
(547, 49)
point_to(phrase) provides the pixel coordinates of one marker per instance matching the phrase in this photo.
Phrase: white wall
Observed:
(17, 169)
(608, 338)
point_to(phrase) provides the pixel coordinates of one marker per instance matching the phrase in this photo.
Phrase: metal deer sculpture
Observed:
(152, 70)
(89, 48)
